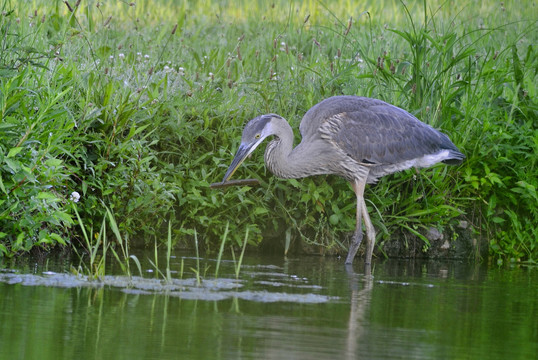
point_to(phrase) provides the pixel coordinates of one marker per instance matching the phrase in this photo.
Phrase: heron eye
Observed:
(257, 136)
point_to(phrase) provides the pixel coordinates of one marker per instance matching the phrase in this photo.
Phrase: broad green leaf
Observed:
(260, 211)
(18, 243)
(64, 217)
(14, 151)
(54, 162)
(333, 219)
(46, 195)
(58, 238)
(15, 166)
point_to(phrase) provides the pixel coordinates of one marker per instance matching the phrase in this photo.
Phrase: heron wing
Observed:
(385, 134)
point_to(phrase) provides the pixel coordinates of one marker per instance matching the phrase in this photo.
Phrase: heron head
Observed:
(254, 133)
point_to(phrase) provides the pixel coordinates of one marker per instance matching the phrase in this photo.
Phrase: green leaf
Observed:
(18, 243)
(404, 34)
(64, 217)
(53, 162)
(2, 185)
(14, 151)
(46, 195)
(333, 219)
(260, 211)
(3, 249)
(137, 262)
(57, 238)
(114, 225)
(44, 238)
(15, 166)
(136, 130)
(294, 183)
(518, 73)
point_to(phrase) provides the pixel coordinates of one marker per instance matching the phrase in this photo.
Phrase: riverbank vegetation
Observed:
(129, 110)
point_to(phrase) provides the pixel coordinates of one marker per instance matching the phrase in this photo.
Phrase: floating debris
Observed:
(189, 289)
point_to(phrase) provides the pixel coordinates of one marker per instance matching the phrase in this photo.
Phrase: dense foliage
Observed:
(138, 107)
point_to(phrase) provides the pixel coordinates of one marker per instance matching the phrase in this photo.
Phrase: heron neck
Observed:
(279, 154)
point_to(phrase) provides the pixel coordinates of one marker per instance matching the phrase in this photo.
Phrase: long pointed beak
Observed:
(242, 153)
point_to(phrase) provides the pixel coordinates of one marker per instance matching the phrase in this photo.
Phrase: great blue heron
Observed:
(358, 138)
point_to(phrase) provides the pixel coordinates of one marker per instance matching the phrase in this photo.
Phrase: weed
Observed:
(197, 270)
(221, 250)
(237, 264)
(139, 128)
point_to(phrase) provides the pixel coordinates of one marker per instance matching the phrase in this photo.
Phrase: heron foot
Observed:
(354, 246)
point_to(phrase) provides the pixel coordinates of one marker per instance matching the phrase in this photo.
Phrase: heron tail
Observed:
(454, 158)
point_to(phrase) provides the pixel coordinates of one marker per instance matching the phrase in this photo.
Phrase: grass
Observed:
(237, 264)
(221, 250)
(97, 250)
(138, 108)
(198, 270)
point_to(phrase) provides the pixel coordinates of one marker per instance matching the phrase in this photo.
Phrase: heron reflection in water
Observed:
(360, 139)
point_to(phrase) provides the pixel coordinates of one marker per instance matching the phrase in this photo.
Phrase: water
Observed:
(299, 308)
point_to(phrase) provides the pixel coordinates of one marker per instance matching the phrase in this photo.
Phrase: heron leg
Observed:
(358, 188)
(370, 234)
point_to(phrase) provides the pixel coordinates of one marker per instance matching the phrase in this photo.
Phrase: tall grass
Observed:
(140, 107)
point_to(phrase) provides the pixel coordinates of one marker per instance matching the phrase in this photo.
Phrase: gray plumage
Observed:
(358, 138)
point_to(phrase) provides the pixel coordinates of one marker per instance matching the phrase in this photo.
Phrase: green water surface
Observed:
(299, 308)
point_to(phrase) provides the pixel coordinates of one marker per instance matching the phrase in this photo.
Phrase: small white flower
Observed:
(121, 55)
(75, 196)
(146, 56)
(181, 71)
(166, 68)
(138, 54)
